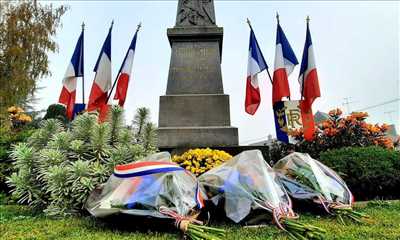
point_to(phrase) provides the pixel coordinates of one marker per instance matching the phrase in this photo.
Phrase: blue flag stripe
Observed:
(106, 49)
(304, 60)
(286, 48)
(256, 53)
(77, 57)
(131, 46)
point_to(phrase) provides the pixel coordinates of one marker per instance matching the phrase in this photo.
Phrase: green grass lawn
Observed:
(20, 223)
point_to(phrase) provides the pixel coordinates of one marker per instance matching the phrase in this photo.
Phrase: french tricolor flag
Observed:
(102, 79)
(308, 77)
(256, 64)
(124, 73)
(74, 70)
(285, 61)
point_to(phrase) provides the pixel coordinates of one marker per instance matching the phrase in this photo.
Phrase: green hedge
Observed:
(370, 172)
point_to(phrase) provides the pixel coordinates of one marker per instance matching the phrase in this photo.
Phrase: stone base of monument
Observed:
(175, 137)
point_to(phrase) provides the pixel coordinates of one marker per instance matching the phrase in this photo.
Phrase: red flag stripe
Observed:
(280, 86)
(68, 99)
(311, 87)
(122, 88)
(253, 98)
(97, 98)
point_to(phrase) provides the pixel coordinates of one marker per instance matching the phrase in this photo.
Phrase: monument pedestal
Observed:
(195, 111)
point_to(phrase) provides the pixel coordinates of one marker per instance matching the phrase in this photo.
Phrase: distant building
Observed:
(319, 117)
(391, 132)
(268, 142)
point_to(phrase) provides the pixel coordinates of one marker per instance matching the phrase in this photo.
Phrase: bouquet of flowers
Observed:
(154, 187)
(246, 183)
(200, 160)
(307, 179)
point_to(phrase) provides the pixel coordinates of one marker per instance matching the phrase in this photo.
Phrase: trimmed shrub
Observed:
(370, 172)
(56, 111)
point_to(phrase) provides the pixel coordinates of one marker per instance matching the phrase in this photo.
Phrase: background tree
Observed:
(140, 119)
(27, 29)
(149, 137)
(144, 130)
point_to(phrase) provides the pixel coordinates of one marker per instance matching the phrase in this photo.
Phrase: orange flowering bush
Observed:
(336, 132)
(352, 130)
(18, 116)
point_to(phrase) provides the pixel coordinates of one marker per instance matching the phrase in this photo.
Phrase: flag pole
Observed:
(277, 21)
(116, 78)
(277, 17)
(302, 80)
(249, 23)
(83, 74)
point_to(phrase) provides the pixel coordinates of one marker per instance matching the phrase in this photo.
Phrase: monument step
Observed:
(194, 110)
(197, 136)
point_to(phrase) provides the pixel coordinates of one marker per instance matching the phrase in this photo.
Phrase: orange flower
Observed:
(384, 127)
(296, 132)
(326, 124)
(335, 112)
(386, 142)
(373, 128)
(359, 115)
(15, 110)
(363, 124)
(342, 124)
(330, 132)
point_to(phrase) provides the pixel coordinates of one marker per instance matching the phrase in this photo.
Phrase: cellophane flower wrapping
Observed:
(143, 187)
(308, 179)
(246, 183)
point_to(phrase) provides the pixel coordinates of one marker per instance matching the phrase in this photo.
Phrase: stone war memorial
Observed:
(194, 112)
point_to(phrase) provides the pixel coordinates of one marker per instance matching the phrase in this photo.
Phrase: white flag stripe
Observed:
(69, 81)
(252, 66)
(103, 74)
(281, 61)
(310, 66)
(127, 68)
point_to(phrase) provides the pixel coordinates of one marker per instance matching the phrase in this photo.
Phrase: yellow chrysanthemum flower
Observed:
(199, 160)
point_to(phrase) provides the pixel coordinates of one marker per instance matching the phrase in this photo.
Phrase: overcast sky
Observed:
(356, 47)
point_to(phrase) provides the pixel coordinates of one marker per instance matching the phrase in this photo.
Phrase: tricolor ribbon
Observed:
(199, 198)
(144, 168)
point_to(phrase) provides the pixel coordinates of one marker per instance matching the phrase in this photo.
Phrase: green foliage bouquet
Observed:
(249, 190)
(307, 179)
